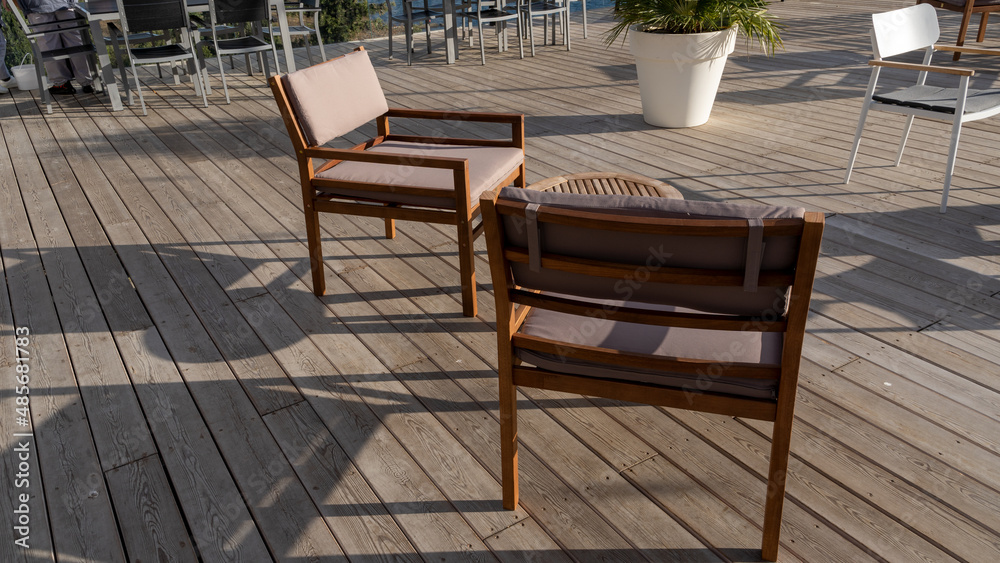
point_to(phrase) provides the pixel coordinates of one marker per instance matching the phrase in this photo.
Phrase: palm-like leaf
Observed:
(697, 16)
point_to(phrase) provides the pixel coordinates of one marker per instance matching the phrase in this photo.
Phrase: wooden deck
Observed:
(191, 399)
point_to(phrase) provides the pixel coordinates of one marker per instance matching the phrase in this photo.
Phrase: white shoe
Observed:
(9, 83)
(4, 90)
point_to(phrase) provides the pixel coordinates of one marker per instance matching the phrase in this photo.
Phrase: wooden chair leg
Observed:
(966, 17)
(467, 267)
(982, 27)
(776, 474)
(390, 228)
(315, 251)
(521, 180)
(508, 434)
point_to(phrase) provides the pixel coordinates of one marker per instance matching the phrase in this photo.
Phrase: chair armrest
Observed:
(970, 50)
(924, 68)
(475, 116)
(515, 120)
(34, 32)
(415, 160)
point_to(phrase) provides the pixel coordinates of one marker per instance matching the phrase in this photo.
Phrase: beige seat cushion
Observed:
(487, 167)
(715, 345)
(335, 97)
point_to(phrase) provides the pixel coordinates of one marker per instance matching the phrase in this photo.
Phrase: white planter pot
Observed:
(679, 74)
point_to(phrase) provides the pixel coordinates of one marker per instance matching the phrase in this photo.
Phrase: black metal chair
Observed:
(248, 17)
(34, 32)
(138, 16)
(408, 18)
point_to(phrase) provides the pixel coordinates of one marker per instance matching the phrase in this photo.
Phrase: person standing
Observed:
(59, 72)
(6, 80)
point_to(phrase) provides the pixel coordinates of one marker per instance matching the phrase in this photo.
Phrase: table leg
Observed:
(450, 33)
(107, 71)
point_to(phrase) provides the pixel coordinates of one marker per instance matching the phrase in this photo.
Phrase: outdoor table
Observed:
(611, 183)
(97, 11)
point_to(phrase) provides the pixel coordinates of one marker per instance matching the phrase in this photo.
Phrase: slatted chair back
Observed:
(718, 272)
(153, 15)
(240, 11)
(331, 99)
(904, 30)
(692, 305)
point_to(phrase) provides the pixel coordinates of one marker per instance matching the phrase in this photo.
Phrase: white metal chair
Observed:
(494, 13)
(301, 29)
(557, 9)
(911, 29)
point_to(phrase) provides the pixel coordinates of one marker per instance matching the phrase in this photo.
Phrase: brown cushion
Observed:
(722, 346)
(487, 167)
(335, 97)
(653, 252)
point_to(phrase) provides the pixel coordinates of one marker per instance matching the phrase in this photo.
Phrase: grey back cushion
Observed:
(652, 252)
(335, 97)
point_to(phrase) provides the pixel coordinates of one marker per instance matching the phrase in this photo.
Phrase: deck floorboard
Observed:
(191, 397)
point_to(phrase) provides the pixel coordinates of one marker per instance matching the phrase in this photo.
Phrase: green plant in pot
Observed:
(681, 46)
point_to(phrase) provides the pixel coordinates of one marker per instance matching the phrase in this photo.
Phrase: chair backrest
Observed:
(33, 31)
(719, 258)
(153, 15)
(907, 29)
(332, 98)
(240, 11)
(18, 15)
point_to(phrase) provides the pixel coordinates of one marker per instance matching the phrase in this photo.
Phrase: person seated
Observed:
(59, 72)
(6, 80)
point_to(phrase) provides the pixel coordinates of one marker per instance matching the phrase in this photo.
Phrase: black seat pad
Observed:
(941, 100)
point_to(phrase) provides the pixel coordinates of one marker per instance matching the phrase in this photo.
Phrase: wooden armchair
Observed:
(414, 178)
(690, 305)
(967, 8)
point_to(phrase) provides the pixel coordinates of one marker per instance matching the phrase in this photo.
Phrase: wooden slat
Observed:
(62, 440)
(39, 538)
(144, 499)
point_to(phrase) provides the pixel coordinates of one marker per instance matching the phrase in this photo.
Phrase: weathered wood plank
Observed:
(76, 494)
(113, 411)
(22, 498)
(143, 495)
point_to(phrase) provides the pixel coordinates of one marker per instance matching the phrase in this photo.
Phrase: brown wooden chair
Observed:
(967, 8)
(414, 178)
(691, 305)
